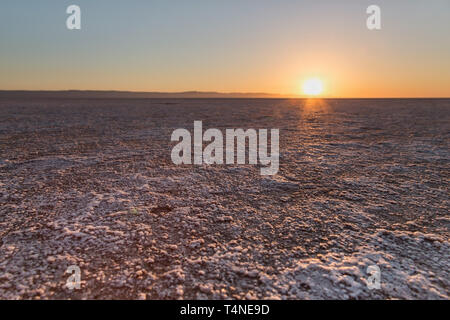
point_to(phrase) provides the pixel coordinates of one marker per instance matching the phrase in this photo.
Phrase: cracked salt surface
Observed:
(91, 183)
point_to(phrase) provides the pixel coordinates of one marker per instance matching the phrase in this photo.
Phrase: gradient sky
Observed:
(228, 46)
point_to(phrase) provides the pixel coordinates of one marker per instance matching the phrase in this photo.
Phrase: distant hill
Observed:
(81, 94)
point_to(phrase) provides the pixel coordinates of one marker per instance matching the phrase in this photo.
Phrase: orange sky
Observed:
(236, 46)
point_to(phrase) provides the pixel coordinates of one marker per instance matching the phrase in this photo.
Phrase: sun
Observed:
(313, 87)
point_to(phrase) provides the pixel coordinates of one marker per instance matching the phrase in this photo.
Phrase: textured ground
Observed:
(91, 183)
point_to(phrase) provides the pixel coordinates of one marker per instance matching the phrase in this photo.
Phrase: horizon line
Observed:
(195, 94)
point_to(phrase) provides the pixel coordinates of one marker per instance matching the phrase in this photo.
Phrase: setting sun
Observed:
(313, 87)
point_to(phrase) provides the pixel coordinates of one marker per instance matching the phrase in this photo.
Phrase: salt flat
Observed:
(90, 182)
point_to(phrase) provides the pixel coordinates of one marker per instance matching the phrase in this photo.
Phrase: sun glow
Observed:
(313, 87)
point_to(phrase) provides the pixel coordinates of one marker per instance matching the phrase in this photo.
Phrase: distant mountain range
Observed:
(112, 94)
(80, 94)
